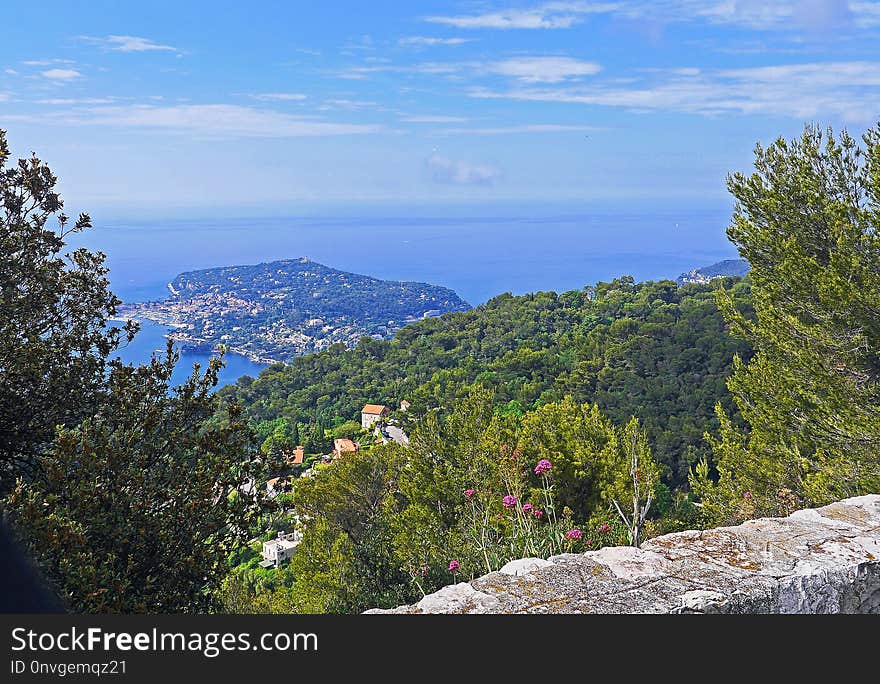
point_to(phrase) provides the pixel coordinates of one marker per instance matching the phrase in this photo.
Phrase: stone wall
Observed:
(824, 560)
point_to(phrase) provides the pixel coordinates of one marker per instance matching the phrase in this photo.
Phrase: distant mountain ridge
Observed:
(278, 310)
(728, 267)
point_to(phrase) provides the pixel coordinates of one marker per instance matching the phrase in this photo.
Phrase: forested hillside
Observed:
(534, 426)
(653, 350)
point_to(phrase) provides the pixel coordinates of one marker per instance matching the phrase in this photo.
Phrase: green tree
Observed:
(346, 561)
(808, 222)
(634, 479)
(580, 442)
(350, 429)
(138, 507)
(471, 449)
(54, 309)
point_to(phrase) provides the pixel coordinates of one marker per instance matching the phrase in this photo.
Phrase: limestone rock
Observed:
(524, 566)
(825, 560)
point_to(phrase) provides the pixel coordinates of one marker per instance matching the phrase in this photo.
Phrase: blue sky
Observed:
(284, 104)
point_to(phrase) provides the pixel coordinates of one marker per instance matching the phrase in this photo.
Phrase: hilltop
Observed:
(652, 349)
(275, 311)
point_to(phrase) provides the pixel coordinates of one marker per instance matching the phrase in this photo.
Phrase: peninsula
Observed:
(272, 312)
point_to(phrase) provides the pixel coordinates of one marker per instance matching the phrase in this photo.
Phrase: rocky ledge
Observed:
(824, 560)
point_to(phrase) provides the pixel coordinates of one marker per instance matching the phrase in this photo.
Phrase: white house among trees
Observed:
(372, 414)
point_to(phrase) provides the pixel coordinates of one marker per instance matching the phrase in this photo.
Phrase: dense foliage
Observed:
(128, 493)
(467, 495)
(652, 350)
(137, 508)
(54, 307)
(808, 221)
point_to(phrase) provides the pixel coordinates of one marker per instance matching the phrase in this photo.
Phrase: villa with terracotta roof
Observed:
(296, 458)
(344, 446)
(372, 414)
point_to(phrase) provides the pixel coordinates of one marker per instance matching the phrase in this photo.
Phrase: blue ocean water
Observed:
(151, 340)
(478, 256)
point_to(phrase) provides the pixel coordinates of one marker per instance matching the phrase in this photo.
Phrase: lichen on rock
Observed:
(824, 560)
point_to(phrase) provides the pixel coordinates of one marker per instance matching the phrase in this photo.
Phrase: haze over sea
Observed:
(478, 251)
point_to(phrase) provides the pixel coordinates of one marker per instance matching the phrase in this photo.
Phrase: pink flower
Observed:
(453, 566)
(604, 528)
(543, 466)
(469, 493)
(527, 508)
(509, 501)
(538, 513)
(574, 534)
(747, 495)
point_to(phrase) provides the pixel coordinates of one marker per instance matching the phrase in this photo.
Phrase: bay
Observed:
(478, 254)
(151, 341)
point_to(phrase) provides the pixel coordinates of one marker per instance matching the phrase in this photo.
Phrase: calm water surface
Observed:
(478, 257)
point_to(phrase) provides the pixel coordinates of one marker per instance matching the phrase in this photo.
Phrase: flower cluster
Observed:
(522, 529)
(604, 528)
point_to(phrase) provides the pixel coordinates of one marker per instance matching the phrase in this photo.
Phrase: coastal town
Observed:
(275, 311)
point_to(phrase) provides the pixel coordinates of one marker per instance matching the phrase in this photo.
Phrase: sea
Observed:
(478, 252)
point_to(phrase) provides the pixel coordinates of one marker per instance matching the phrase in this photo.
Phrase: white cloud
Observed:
(67, 101)
(526, 69)
(424, 40)
(61, 74)
(342, 103)
(214, 120)
(866, 14)
(784, 15)
(46, 62)
(429, 68)
(456, 172)
(550, 15)
(428, 119)
(850, 90)
(524, 128)
(812, 15)
(129, 44)
(279, 96)
(11, 72)
(543, 69)
(822, 16)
